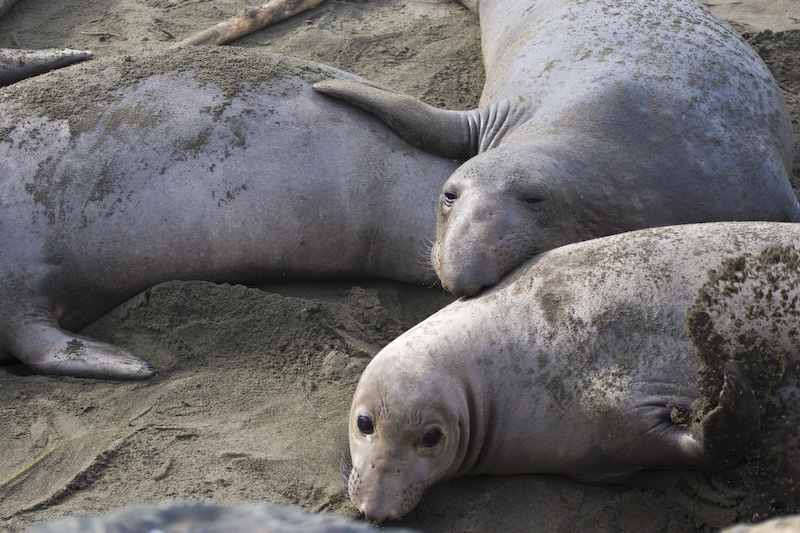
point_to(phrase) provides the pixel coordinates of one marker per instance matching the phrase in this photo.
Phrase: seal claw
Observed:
(730, 429)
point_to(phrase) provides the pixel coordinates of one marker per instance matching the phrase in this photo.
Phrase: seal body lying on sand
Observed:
(585, 361)
(599, 117)
(215, 164)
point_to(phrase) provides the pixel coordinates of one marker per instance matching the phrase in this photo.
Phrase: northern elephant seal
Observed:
(597, 117)
(586, 362)
(215, 164)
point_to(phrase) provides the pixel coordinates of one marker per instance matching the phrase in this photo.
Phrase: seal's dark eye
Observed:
(449, 198)
(432, 438)
(365, 425)
(533, 201)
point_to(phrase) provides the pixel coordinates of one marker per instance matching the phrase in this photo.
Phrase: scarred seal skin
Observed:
(597, 117)
(214, 164)
(664, 348)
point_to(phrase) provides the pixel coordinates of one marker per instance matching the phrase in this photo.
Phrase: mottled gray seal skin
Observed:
(597, 117)
(214, 164)
(586, 361)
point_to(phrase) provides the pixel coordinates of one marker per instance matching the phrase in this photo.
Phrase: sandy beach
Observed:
(254, 384)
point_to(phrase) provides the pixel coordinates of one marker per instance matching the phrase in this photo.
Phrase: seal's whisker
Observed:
(426, 247)
(345, 466)
(427, 266)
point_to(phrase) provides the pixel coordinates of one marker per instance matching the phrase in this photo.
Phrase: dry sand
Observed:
(251, 398)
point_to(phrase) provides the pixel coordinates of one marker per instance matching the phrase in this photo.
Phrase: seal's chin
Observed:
(467, 269)
(468, 278)
(462, 290)
(382, 509)
(380, 514)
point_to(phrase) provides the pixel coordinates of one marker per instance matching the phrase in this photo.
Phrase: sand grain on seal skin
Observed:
(741, 297)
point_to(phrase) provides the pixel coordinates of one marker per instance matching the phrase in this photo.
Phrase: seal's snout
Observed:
(464, 270)
(385, 493)
(467, 276)
(378, 514)
(461, 289)
(379, 507)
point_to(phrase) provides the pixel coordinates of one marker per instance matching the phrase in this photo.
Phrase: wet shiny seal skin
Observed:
(597, 118)
(594, 360)
(215, 164)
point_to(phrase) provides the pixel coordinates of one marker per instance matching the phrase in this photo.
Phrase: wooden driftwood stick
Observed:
(250, 20)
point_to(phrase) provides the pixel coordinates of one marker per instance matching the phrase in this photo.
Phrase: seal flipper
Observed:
(457, 134)
(47, 349)
(719, 439)
(728, 431)
(16, 65)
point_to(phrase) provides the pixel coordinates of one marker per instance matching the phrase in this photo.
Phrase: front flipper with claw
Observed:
(728, 431)
(47, 349)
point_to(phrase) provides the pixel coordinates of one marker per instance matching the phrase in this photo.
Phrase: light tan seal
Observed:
(594, 360)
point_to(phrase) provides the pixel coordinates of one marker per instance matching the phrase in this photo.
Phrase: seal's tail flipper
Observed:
(47, 349)
(457, 134)
(728, 431)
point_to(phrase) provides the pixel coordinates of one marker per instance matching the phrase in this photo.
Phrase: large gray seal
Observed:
(597, 117)
(215, 164)
(593, 360)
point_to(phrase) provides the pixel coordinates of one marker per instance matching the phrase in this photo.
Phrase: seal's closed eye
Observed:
(533, 201)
